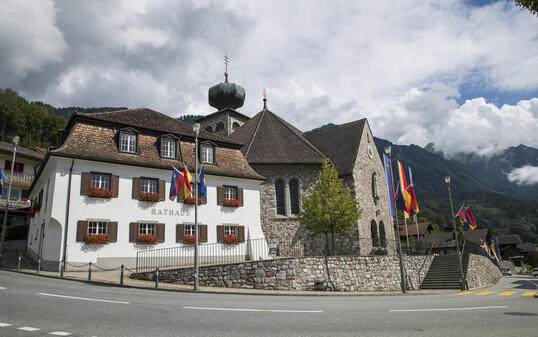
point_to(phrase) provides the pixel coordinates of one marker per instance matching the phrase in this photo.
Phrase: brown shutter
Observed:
(220, 233)
(160, 232)
(113, 231)
(203, 232)
(240, 196)
(204, 200)
(114, 185)
(220, 195)
(85, 183)
(241, 233)
(82, 230)
(40, 200)
(136, 188)
(162, 188)
(133, 231)
(180, 233)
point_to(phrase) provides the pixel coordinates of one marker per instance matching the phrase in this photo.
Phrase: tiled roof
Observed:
(92, 140)
(150, 119)
(440, 240)
(478, 236)
(340, 144)
(7, 148)
(526, 247)
(226, 110)
(412, 228)
(269, 139)
(509, 239)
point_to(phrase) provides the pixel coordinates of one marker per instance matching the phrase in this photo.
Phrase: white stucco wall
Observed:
(124, 210)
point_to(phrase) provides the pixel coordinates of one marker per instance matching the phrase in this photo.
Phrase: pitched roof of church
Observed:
(268, 139)
(225, 110)
(340, 144)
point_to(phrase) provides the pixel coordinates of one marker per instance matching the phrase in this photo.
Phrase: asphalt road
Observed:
(67, 308)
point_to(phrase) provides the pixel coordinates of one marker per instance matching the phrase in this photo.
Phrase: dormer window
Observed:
(168, 148)
(207, 154)
(128, 142)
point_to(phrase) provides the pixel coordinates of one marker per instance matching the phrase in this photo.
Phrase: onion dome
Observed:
(226, 95)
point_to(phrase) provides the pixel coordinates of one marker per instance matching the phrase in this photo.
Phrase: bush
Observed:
(17, 232)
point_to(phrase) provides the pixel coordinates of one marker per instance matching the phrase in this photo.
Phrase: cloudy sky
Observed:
(460, 74)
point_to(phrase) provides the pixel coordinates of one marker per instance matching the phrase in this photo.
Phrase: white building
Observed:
(130, 154)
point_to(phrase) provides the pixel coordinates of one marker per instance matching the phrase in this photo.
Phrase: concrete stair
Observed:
(444, 272)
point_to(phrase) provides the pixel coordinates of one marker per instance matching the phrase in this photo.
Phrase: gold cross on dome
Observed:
(264, 93)
(226, 61)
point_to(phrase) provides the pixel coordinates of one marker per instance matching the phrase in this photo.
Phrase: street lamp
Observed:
(462, 284)
(3, 235)
(397, 227)
(196, 129)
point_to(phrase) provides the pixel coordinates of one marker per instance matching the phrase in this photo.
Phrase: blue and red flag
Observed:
(176, 184)
(403, 198)
(390, 182)
(466, 218)
(203, 187)
(413, 207)
(494, 245)
(470, 218)
(3, 180)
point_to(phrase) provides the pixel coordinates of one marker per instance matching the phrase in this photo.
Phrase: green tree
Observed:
(531, 5)
(329, 207)
(532, 259)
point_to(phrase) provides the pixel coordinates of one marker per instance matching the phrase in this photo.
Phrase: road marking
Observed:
(60, 333)
(3, 325)
(465, 293)
(83, 298)
(507, 293)
(28, 328)
(254, 310)
(484, 293)
(2, 288)
(450, 309)
(529, 293)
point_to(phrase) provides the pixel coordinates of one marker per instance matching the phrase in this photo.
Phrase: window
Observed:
(190, 230)
(294, 196)
(128, 142)
(375, 238)
(101, 181)
(230, 193)
(209, 128)
(220, 127)
(235, 126)
(374, 188)
(280, 200)
(382, 234)
(15, 194)
(149, 185)
(168, 148)
(19, 167)
(207, 154)
(97, 227)
(231, 230)
(147, 228)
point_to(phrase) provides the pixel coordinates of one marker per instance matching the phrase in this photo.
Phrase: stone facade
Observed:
(223, 123)
(481, 272)
(339, 273)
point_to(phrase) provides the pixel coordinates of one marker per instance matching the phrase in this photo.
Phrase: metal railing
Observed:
(20, 177)
(15, 204)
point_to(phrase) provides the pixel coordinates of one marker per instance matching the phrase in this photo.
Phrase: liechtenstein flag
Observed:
(203, 189)
(388, 172)
(176, 184)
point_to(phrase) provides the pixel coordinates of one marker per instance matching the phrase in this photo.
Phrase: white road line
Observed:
(2, 288)
(254, 310)
(83, 298)
(60, 333)
(3, 325)
(451, 309)
(28, 328)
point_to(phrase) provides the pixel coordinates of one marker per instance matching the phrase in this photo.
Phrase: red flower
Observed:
(97, 238)
(149, 196)
(97, 192)
(232, 239)
(147, 238)
(231, 203)
(190, 201)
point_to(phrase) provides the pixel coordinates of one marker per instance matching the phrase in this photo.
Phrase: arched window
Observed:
(220, 127)
(375, 238)
(209, 128)
(280, 199)
(294, 196)
(382, 235)
(374, 188)
(235, 126)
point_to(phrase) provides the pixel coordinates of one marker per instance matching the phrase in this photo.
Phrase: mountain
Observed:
(67, 112)
(189, 119)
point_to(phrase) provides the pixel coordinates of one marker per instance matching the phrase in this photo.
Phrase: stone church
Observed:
(290, 161)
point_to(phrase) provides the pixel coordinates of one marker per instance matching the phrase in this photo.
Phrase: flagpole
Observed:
(196, 129)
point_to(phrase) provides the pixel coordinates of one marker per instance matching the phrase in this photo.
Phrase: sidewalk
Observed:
(112, 278)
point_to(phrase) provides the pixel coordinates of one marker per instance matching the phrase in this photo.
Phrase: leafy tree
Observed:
(532, 259)
(531, 5)
(330, 207)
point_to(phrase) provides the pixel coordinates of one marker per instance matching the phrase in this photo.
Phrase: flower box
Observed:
(231, 203)
(147, 239)
(149, 196)
(98, 239)
(232, 239)
(190, 201)
(97, 192)
(189, 239)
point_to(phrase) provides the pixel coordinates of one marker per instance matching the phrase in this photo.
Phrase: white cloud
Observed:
(526, 175)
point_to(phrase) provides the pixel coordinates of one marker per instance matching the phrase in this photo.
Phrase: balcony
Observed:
(19, 177)
(15, 204)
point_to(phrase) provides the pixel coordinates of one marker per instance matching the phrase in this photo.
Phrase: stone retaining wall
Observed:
(346, 273)
(481, 272)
